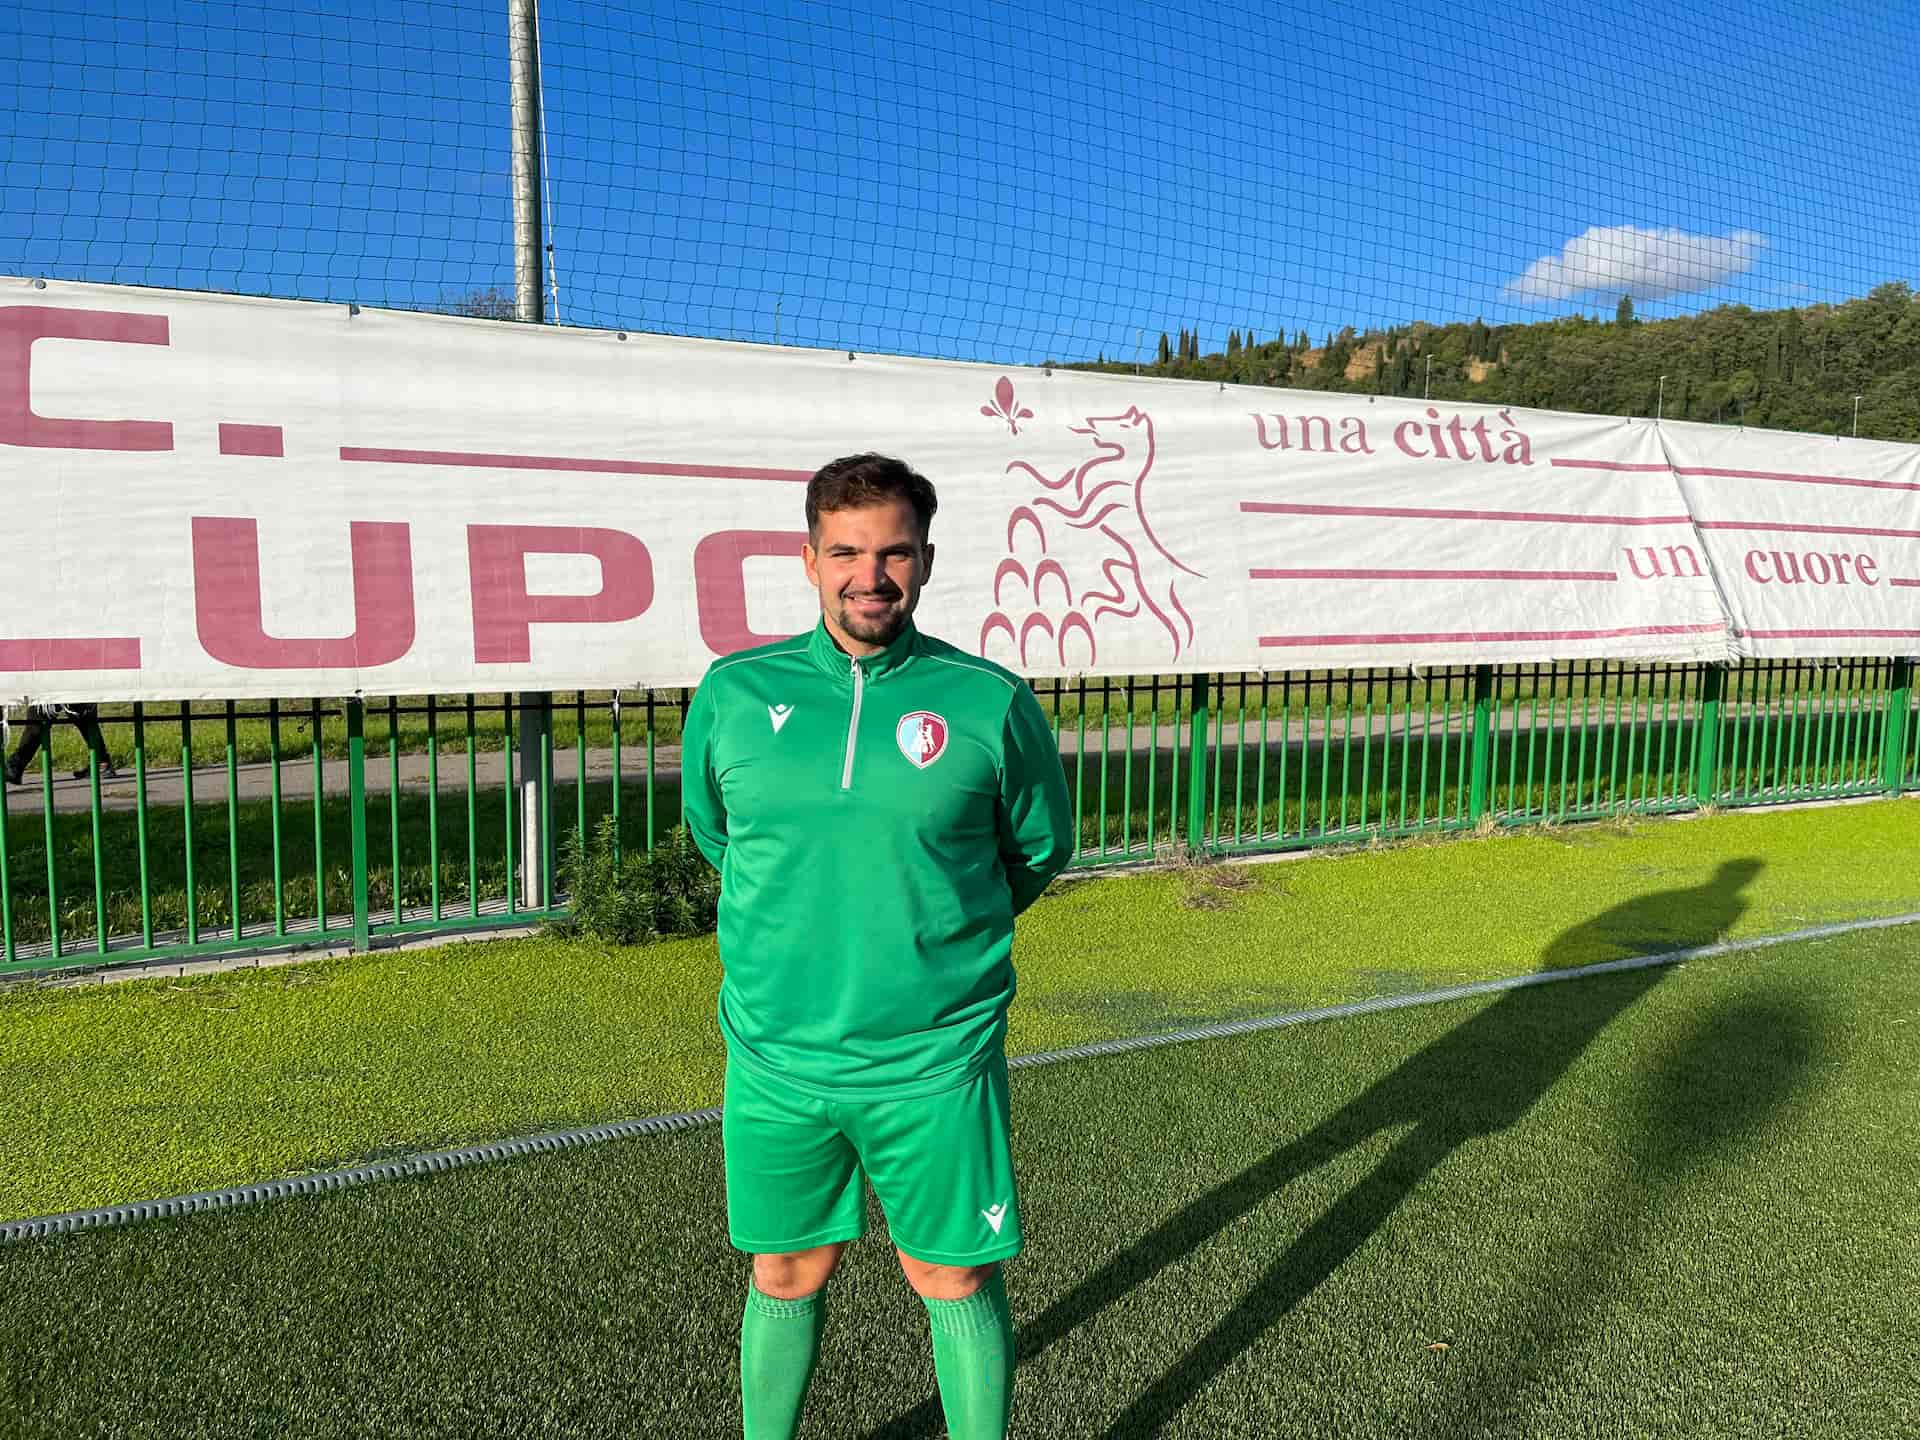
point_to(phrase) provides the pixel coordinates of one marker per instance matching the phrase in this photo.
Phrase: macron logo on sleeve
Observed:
(778, 714)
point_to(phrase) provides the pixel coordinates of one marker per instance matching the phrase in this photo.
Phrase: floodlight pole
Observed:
(523, 65)
(1856, 417)
(523, 68)
(1660, 406)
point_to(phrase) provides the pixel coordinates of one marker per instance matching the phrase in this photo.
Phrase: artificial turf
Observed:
(143, 1089)
(1670, 1202)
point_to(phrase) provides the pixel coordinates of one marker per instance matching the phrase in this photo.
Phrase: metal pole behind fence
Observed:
(523, 64)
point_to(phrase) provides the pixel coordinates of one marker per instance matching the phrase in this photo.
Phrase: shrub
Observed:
(668, 890)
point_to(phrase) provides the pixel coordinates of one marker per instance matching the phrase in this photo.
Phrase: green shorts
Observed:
(941, 1164)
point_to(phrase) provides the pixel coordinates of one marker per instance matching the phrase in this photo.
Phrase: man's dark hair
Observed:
(868, 479)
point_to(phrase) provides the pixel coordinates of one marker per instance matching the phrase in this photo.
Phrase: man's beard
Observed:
(883, 631)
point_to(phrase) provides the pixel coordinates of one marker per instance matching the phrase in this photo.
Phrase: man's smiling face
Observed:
(868, 562)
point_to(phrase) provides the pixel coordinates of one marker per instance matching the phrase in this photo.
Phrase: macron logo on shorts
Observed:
(994, 1215)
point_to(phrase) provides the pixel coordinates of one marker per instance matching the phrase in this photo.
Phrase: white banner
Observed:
(1814, 540)
(222, 497)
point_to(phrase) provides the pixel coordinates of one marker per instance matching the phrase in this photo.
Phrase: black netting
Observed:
(986, 181)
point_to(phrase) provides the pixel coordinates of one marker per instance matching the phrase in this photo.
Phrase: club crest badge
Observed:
(922, 737)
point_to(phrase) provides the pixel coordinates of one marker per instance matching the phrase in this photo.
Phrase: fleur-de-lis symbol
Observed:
(1003, 407)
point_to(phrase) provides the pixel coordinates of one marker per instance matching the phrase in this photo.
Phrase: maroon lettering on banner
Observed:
(267, 440)
(1811, 567)
(504, 613)
(720, 583)
(1790, 478)
(20, 326)
(1481, 637)
(1682, 562)
(1419, 512)
(227, 605)
(111, 652)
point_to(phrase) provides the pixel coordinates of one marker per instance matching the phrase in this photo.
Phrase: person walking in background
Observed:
(880, 806)
(33, 734)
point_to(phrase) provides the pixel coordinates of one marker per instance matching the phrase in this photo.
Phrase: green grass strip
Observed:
(130, 1091)
(1667, 1203)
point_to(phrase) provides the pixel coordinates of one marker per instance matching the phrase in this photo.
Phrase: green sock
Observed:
(779, 1341)
(973, 1361)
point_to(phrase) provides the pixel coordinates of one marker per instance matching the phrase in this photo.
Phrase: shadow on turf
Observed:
(1702, 1101)
(1480, 1078)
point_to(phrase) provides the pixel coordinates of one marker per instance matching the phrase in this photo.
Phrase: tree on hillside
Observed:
(1233, 342)
(492, 303)
(1623, 312)
(1166, 351)
(1337, 356)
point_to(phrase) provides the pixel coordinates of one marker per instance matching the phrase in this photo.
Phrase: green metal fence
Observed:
(243, 827)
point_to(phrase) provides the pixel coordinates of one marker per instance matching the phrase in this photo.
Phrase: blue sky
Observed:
(982, 181)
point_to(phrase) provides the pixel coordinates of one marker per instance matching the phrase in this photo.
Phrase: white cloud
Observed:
(1644, 263)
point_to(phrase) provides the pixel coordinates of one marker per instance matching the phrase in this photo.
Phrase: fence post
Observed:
(1706, 734)
(1899, 716)
(1198, 705)
(1480, 741)
(535, 713)
(357, 809)
(529, 308)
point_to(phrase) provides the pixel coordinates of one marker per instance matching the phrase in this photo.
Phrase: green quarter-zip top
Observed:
(877, 824)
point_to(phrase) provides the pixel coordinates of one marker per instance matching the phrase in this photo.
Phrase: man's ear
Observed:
(810, 562)
(926, 562)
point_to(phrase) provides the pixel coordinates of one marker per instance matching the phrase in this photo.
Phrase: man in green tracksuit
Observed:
(880, 805)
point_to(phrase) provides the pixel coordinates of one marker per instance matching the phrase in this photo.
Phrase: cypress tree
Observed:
(1402, 368)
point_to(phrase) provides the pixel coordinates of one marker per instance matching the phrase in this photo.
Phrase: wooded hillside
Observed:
(1796, 369)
